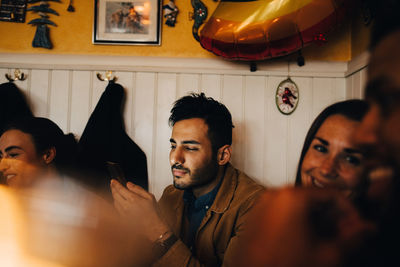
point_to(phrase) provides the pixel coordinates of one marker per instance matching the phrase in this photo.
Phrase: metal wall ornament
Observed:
(287, 96)
(70, 7)
(18, 75)
(199, 16)
(170, 13)
(108, 76)
(42, 38)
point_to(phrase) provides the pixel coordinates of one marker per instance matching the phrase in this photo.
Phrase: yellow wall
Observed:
(337, 47)
(360, 35)
(74, 36)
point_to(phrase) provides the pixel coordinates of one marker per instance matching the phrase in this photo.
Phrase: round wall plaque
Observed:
(287, 96)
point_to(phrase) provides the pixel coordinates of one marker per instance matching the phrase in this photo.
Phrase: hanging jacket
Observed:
(13, 104)
(104, 139)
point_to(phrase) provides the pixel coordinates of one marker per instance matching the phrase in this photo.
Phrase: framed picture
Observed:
(129, 22)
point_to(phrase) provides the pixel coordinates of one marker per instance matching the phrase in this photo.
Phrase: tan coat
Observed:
(220, 231)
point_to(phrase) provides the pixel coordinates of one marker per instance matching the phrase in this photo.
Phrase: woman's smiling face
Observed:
(20, 164)
(333, 160)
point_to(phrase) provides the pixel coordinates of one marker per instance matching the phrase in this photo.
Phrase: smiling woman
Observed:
(33, 149)
(329, 157)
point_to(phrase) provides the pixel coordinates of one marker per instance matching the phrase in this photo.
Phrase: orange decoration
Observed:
(263, 29)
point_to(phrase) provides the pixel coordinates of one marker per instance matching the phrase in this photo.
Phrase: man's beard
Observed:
(200, 176)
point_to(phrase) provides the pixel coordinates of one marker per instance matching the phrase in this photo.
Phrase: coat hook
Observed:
(18, 75)
(108, 76)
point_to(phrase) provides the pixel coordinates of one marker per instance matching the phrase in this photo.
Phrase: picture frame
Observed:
(127, 22)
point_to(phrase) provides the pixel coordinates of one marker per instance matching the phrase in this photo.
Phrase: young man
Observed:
(199, 219)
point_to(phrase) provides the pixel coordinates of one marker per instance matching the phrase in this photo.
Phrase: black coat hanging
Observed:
(104, 139)
(13, 104)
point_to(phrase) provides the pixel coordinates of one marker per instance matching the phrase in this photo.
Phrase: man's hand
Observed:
(139, 208)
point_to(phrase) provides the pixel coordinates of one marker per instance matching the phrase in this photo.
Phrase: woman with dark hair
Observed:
(32, 149)
(329, 157)
(307, 226)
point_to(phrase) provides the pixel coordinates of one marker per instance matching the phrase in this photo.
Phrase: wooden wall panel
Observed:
(126, 79)
(3, 73)
(40, 92)
(325, 92)
(355, 84)
(211, 85)
(349, 88)
(97, 89)
(359, 80)
(298, 124)
(363, 82)
(80, 99)
(166, 95)
(276, 134)
(339, 89)
(232, 97)
(253, 126)
(59, 104)
(144, 123)
(187, 83)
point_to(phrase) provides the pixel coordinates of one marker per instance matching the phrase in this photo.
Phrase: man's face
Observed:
(379, 132)
(191, 157)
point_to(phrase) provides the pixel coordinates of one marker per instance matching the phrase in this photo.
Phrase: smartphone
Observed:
(116, 172)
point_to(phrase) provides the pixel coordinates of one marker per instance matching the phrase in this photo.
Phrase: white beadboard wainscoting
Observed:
(266, 143)
(356, 76)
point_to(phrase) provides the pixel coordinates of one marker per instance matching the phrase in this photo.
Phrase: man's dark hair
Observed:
(215, 114)
(386, 19)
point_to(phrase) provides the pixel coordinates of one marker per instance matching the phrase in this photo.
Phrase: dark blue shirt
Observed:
(196, 210)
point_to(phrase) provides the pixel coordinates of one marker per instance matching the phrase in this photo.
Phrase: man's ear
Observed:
(224, 154)
(49, 155)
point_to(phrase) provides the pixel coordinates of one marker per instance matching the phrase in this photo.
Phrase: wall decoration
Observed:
(12, 10)
(128, 22)
(170, 13)
(368, 9)
(70, 7)
(200, 14)
(258, 30)
(287, 96)
(42, 38)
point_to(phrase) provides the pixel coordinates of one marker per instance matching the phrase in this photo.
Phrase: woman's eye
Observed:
(13, 155)
(320, 148)
(173, 146)
(353, 160)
